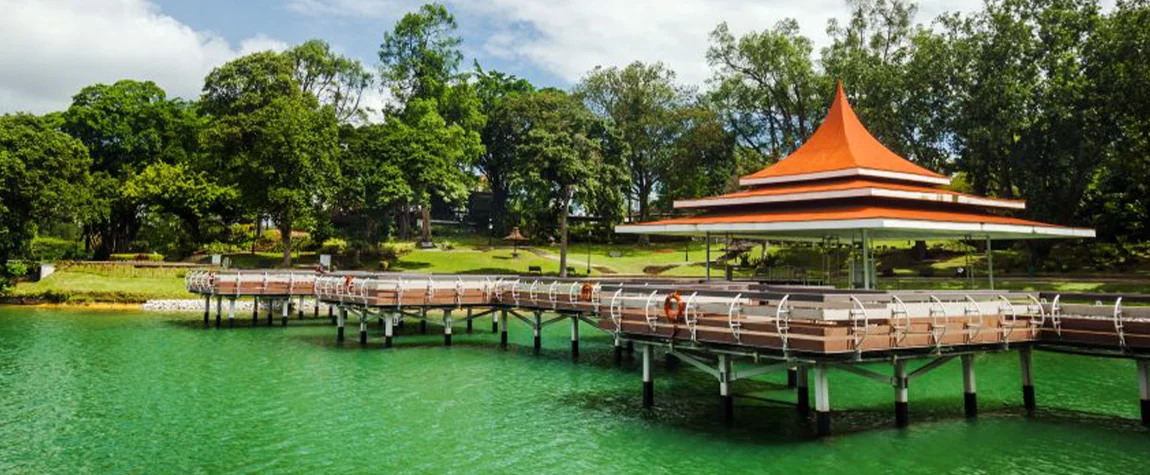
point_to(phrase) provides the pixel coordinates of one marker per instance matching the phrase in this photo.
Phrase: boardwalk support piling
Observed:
(1024, 359)
(232, 312)
(575, 337)
(255, 311)
(802, 390)
(299, 308)
(726, 401)
(362, 326)
(618, 352)
(388, 330)
(219, 310)
(792, 377)
(822, 401)
(495, 322)
(1144, 389)
(503, 329)
(901, 409)
(271, 308)
(423, 321)
(969, 391)
(648, 383)
(469, 324)
(536, 327)
(447, 328)
(331, 314)
(207, 310)
(284, 311)
(341, 319)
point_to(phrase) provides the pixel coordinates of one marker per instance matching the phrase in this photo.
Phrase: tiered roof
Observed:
(842, 180)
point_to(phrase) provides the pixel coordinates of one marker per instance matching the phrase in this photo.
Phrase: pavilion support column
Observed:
(802, 391)
(1144, 389)
(232, 312)
(1024, 359)
(901, 403)
(648, 382)
(989, 263)
(707, 240)
(822, 401)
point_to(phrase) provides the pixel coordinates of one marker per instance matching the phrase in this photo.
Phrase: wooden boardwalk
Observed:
(712, 326)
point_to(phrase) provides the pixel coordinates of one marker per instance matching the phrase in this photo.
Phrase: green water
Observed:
(97, 392)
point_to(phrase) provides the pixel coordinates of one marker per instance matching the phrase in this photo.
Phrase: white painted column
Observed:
(574, 336)
(284, 309)
(969, 390)
(447, 327)
(726, 401)
(388, 330)
(648, 382)
(822, 400)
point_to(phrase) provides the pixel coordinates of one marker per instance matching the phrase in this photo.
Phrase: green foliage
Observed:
(333, 246)
(500, 158)
(137, 257)
(420, 55)
(335, 80)
(43, 172)
(48, 249)
(280, 143)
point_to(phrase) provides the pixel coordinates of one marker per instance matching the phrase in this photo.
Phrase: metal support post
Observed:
(232, 312)
(447, 327)
(1024, 359)
(503, 328)
(969, 391)
(802, 391)
(575, 336)
(341, 319)
(901, 409)
(536, 328)
(727, 402)
(362, 326)
(388, 330)
(648, 382)
(822, 401)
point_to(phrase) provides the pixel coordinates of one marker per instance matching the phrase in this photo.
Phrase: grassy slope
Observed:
(105, 284)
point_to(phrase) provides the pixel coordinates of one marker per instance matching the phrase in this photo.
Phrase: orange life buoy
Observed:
(587, 293)
(673, 307)
(212, 279)
(347, 282)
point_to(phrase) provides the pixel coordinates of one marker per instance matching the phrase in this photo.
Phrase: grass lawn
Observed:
(120, 284)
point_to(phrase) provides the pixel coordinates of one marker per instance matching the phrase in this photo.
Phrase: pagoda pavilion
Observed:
(843, 185)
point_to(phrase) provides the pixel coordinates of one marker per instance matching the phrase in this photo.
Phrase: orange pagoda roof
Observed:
(842, 147)
(842, 181)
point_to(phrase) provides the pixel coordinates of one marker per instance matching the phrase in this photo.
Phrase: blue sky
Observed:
(49, 49)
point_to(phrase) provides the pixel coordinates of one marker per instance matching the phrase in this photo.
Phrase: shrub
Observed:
(333, 246)
(49, 249)
(137, 257)
(391, 252)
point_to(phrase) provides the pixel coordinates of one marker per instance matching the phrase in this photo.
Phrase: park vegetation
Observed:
(1042, 100)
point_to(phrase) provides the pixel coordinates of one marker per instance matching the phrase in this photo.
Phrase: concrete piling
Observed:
(969, 392)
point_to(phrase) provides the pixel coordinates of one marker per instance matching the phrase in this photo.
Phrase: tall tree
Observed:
(43, 173)
(372, 181)
(279, 142)
(561, 142)
(768, 89)
(419, 60)
(126, 127)
(500, 157)
(640, 101)
(334, 79)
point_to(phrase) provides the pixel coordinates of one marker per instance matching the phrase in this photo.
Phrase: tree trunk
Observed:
(426, 211)
(563, 236)
(259, 231)
(285, 239)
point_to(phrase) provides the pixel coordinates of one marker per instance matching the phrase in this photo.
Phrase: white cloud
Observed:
(569, 37)
(53, 48)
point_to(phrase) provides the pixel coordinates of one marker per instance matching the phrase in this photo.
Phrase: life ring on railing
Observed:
(587, 293)
(673, 307)
(347, 283)
(211, 279)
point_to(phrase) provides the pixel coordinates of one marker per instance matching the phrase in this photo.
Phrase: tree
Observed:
(191, 195)
(372, 182)
(500, 157)
(43, 172)
(335, 80)
(561, 142)
(278, 142)
(766, 87)
(419, 59)
(126, 127)
(640, 101)
(702, 157)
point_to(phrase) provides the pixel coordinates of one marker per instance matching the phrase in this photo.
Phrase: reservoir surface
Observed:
(115, 392)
